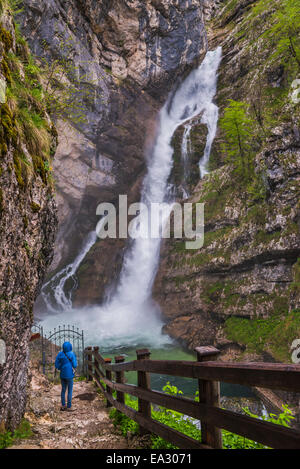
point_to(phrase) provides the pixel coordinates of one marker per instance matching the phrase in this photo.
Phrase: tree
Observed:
(238, 129)
(286, 29)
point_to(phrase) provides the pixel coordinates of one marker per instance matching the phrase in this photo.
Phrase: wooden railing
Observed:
(209, 375)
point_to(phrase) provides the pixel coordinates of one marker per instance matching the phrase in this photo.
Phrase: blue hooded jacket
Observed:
(66, 361)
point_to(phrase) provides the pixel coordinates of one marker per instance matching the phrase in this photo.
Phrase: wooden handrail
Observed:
(212, 417)
(265, 375)
(177, 438)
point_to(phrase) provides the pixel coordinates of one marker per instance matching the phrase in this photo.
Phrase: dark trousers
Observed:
(66, 383)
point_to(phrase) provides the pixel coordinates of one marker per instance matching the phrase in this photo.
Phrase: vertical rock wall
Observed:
(27, 215)
(133, 52)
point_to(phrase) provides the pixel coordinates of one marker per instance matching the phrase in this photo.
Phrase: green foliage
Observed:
(284, 419)
(28, 250)
(66, 89)
(187, 426)
(35, 207)
(275, 333)
(6, 39)
(166, 416)
(15, 6)
(79, 378)
(285, 30)
(23, 117)
(22, 432)
(233, 441)
(257, 188)
(120, 420)
(238, 128)
(295, 285)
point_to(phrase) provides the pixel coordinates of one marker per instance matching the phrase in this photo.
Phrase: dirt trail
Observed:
(87, 427)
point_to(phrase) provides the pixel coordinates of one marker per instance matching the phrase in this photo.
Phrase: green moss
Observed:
(220, 234)
(23, 120)
(180, 280)
(257, 214)
(273, 335)
(23, 431)
(5, 70)
(8, 130)
(39, 167)
(35, 207)
(215, 196)
(19, 172)
(28, 250)
(6, 39)
(1, 200)
(280, 305)
(262, 237)
(295, 285)
(3, 149)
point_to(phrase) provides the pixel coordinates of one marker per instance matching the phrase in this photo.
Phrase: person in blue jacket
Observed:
(65, 362)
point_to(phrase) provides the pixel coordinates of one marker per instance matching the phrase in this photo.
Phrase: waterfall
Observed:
(54, 289)
(210, 118)
(185, 153)
(130, 316)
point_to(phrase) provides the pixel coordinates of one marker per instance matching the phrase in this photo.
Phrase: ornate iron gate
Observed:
(51, 344)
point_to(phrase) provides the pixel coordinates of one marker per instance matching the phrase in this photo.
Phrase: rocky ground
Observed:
(87, 427)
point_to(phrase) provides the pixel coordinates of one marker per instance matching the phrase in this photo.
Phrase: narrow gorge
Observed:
(164, 102)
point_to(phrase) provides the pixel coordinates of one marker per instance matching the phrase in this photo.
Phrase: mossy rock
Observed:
(6, 39)
(35, 207)
(1, 200)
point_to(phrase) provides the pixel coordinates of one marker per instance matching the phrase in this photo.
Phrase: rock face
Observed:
(247, 268)
(27, 215)
(131, 53)
(247, 265)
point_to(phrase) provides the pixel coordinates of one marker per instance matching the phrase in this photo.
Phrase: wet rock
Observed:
(248, 265)
(134, 52)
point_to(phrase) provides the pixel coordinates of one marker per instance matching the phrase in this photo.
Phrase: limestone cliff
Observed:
(241, 290)
(131, 53)
(27, 210)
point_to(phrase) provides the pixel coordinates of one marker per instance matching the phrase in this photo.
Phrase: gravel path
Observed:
(87, 427)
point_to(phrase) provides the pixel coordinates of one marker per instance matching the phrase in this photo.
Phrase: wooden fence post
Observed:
(108, 375)
(120, 379)
(145, 383)
(89, 364)
(209, 393)
(96, 363)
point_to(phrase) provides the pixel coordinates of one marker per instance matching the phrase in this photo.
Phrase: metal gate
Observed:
(51, 344)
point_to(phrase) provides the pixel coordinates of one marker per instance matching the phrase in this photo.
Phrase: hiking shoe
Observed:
(63, 408)
(68, 409)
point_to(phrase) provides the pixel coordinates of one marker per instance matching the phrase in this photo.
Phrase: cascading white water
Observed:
(53, 290)
(185, 152)
(210, 118)
(130, 317)
(186, 145)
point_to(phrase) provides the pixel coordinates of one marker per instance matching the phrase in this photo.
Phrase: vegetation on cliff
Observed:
(246, 273)
(25, 125)
(28, 141)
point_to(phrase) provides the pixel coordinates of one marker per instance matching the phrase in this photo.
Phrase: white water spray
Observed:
(210, 118)
(185, 153)
(54, 289)
(130, 317)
